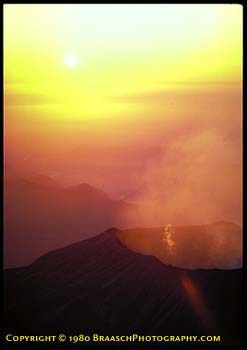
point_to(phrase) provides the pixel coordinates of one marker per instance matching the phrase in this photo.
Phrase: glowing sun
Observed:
(70, 60)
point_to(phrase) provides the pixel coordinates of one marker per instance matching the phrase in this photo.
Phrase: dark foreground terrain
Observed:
(100, 286)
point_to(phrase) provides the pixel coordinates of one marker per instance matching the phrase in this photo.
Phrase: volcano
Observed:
(101, 286)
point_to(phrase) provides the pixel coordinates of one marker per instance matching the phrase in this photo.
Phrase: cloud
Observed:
(13, 99)
(197, 179)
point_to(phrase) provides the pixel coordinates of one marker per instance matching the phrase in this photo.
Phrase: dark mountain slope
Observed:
(99, 285)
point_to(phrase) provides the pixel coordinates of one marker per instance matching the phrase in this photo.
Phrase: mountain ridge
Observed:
(101, 286)
(51, 217)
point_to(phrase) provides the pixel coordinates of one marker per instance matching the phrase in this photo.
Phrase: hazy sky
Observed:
(135, 99)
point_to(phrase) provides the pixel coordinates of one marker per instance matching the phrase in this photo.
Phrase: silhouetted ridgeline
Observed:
(99, 285)
(40, 216)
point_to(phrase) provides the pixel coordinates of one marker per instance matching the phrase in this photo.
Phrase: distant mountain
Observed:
(43, 180)
(39, 216)
(21, 171)
(100, 286)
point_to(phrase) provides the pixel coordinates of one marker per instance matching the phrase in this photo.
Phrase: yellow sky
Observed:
(119, 51)
(142, 99)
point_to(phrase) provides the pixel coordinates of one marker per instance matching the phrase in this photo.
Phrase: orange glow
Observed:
(196, 300)
(142, 101)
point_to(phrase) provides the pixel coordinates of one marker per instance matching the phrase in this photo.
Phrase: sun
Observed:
(70, 60)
